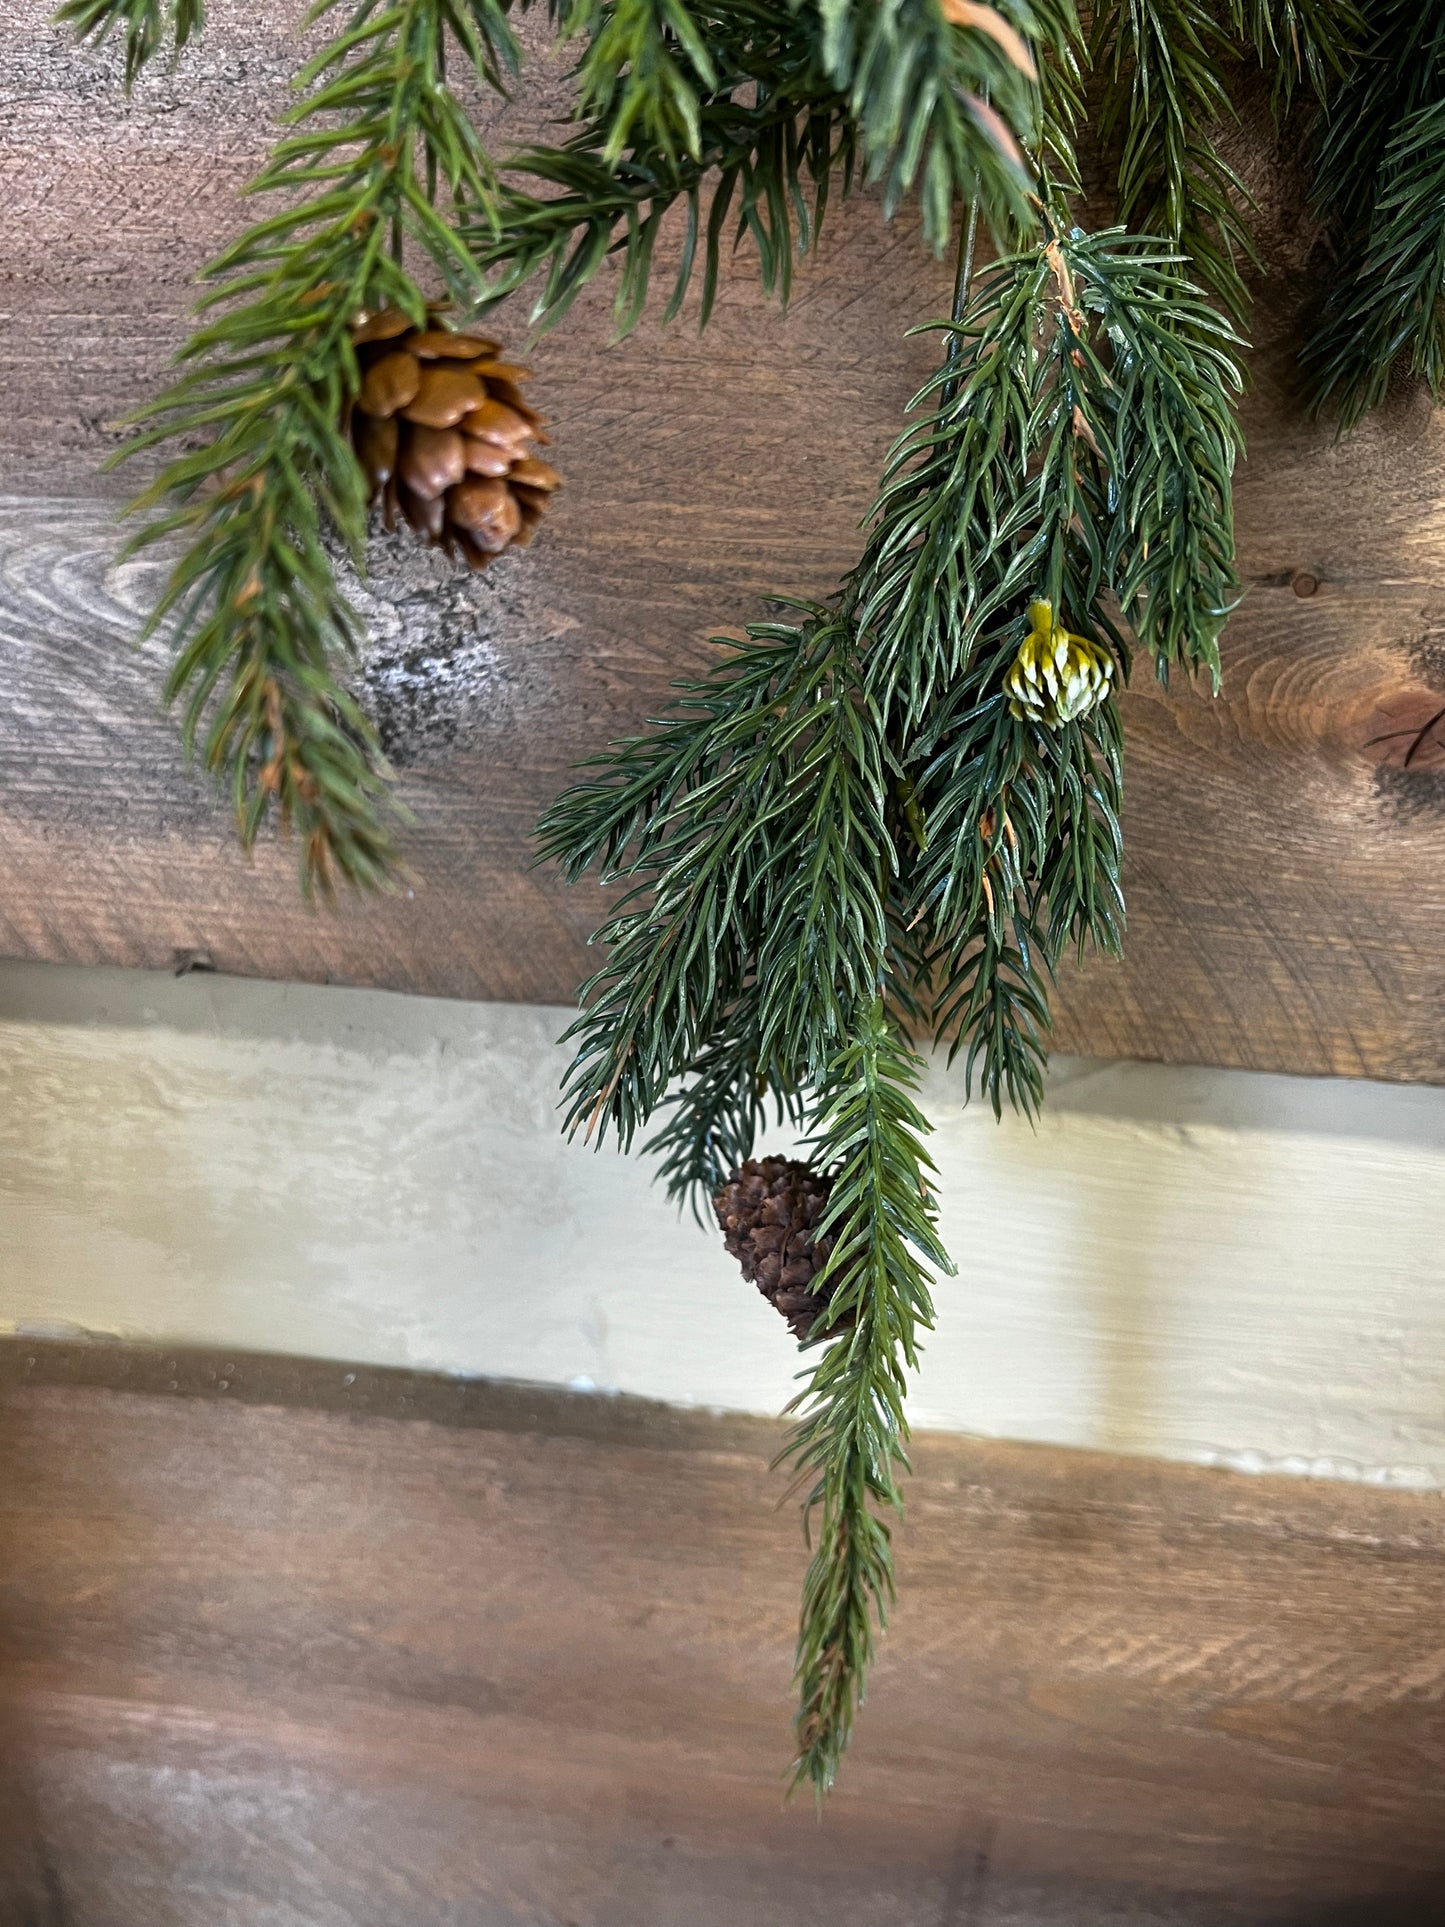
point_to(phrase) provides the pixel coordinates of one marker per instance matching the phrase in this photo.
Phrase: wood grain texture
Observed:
(1286, 876)
(525, 1660)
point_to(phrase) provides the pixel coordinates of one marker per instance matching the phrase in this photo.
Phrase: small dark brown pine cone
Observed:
(768, 1211)
(445, 437)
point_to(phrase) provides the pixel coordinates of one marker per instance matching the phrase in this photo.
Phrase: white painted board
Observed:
(1202, 1264)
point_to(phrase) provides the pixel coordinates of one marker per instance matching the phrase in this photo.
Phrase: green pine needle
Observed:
(263, 636)
(1380, 175)
(752, 150)
(850, 1442)
(145, 26)
(1294, 41)
(1165, 63)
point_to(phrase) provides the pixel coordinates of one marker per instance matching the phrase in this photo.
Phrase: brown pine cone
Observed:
(768, 1210)
(445, 437)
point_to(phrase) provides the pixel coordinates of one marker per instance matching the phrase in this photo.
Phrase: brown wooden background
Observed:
(1286, 878)
(409, 1655)
(307, 1645)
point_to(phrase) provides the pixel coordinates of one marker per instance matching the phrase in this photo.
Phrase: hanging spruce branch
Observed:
(1166, 61)
(266, 472)
(1380, 177)
(382, 156)
(144, 27)
(1299, 42)
(721, 924)
(1045, 469)
(645, 68)
(850, 1444)
(903, 808)
(798, 106)
(1169, 69)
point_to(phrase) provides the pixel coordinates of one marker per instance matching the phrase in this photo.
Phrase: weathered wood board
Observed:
(297, 1645)
(1286, 876)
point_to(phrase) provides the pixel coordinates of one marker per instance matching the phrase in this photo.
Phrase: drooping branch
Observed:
(380, 152)
(850, 1442)
(1380, 177)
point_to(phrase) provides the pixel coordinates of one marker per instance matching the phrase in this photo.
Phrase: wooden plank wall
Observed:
(1286, 875)
(298, 1645)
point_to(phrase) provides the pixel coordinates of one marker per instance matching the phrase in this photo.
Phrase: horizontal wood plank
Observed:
(1286, 875)
(290, 1645)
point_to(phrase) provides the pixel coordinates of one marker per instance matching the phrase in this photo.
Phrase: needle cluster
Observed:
(1380, 178)
(379, 147)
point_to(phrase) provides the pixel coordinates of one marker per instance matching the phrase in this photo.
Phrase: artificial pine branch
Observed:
(850, 1442)
(145, 27)
(1313, 42)
(645, 67)
(1062, 89)
(933, 104)
(1380, 176)
(1076, 445)
(903, 100)
(263, 635)
(383, 154)
(1169, 411)
(768, 162)
(1393, 74)
(881, 813)
(977, 500)
(1164, 63)
(1167, 68)
(713, 1118)
(751, 836)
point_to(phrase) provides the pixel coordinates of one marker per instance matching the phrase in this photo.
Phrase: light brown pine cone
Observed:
(446, 437)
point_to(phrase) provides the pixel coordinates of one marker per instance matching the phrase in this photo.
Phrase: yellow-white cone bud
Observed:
(1056, 676)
